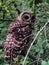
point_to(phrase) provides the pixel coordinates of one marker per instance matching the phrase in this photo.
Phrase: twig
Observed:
(45, 35)
(6, 20)
(27, 37)
(33, 42)
(34, 57)
(34, 62)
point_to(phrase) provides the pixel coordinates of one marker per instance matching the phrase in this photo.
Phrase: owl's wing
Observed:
(13, 25)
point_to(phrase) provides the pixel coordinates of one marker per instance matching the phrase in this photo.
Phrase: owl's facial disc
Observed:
(26, 17)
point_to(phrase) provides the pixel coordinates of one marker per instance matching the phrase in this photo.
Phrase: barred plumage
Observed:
(17, 31)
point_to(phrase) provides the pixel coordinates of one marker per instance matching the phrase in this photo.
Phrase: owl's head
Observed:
(26, 17)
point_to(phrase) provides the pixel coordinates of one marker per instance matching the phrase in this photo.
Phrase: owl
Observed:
(18, 35)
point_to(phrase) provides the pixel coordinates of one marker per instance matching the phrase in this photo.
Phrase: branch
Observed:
(46, 40)
(33, 42)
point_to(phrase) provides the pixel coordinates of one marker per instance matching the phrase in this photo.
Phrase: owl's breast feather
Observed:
(21, 33)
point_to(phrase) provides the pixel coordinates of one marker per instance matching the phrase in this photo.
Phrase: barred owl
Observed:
(17, 39)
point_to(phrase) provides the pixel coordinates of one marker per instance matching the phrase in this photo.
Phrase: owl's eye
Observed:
(26, 17)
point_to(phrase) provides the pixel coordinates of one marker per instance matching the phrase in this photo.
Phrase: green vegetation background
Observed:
(8, 11)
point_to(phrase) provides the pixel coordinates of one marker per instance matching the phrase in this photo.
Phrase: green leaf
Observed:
(44, 63)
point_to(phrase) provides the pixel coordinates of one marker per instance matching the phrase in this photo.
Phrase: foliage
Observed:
(8, 9)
